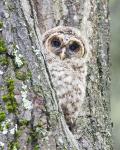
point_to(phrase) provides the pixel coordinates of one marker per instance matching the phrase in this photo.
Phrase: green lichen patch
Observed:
(14, 145)
(10, 82)
(7, 125)
(11, 104)
(1, 24)
(11, 107)
(2, 116)
(9, 98)
(11, 90)
(18, 133)
(1, 128)
(5, 98)
(21, 75)
(3, 48)
(36, 147)
(4, 61)
(23, 122)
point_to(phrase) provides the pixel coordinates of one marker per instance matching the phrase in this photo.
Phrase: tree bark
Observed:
(30, 117)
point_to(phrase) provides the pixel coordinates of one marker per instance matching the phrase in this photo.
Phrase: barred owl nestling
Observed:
(66, 54)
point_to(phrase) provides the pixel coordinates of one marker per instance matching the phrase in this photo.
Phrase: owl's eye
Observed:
(74, 47)
(56, 43)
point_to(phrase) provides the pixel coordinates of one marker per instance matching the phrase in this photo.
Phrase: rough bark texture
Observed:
(29, 115)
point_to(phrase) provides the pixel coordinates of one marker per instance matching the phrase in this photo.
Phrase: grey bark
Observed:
(37, 122)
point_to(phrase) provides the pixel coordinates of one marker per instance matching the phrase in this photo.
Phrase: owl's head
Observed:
(65, 42)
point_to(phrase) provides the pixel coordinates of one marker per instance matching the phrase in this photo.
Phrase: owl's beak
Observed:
(63, 54)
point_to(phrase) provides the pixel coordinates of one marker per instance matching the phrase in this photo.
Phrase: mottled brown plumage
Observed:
(66, 53)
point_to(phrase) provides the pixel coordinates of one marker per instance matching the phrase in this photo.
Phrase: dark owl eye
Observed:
(74, 46)
(56, 43)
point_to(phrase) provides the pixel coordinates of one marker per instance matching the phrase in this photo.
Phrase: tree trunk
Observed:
(30, 117)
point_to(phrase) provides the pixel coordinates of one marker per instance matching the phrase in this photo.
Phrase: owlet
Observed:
(66, 55)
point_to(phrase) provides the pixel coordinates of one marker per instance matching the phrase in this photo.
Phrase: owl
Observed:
(66, 54)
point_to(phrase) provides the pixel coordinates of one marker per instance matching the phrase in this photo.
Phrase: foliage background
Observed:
(115, 69)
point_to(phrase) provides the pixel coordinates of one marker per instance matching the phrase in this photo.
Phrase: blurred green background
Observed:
(115, 69)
